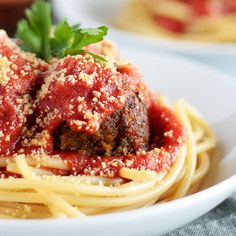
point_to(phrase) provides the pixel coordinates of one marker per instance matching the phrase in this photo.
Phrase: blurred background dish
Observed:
(95, 13)
(11, 11)
(196, 20)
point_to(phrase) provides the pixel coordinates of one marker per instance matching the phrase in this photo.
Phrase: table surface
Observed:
(219, 221)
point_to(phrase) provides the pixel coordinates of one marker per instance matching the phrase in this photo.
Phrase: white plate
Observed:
(97, 12)
(213, 93)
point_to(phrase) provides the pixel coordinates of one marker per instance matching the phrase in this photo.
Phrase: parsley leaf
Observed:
(98, 57)
(34, 32)
(84, 37)
(70, 40)
(66, 39)
(61, 41)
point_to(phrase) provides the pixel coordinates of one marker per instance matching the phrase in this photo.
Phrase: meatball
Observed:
(125, 131)
(90, 107)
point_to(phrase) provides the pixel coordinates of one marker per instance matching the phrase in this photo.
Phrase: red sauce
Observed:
(81, 92)
(199, 7)
(18, 79)
(229, 6)
(170, 23)
(5, 174)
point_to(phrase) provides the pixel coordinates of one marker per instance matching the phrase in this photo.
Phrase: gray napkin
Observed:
(219, 221)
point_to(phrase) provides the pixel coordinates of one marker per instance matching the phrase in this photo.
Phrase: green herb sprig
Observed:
(37, 35)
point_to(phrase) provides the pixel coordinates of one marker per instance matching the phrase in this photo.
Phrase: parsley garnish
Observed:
(35, 34)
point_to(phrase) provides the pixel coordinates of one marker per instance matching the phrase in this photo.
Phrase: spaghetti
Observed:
(207, 20)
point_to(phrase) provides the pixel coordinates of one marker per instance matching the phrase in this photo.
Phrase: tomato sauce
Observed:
(20, 73)
(170, 23)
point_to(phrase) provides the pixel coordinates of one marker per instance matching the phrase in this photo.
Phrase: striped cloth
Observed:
(221, 221)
